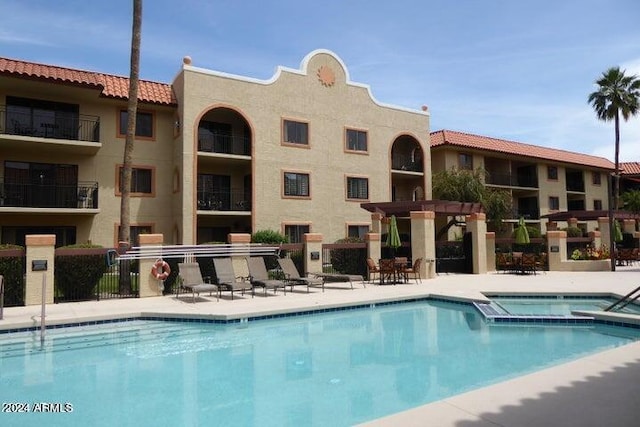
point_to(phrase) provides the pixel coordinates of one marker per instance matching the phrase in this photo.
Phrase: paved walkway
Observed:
(602, 389)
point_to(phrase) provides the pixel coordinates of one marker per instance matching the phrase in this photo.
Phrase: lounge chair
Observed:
(259, 276)
(191, 277)
(339, 278)
(227, 280)
(292, 276)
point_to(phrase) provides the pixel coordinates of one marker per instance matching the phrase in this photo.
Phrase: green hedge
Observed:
(12, 267)
(76, 276)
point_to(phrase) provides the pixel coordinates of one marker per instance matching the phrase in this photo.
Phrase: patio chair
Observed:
(528, 263)
(259, 276)
(189, 273)
(388, 270)
(413, 270)
(292, 276)
(373, 269)
(504, 263)
(227, 280)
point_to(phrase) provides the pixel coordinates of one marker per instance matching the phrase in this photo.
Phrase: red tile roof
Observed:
(111, 86)
(630, 168)
(470, 141)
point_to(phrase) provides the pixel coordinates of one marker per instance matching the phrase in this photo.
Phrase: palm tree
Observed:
(125, 183)
(617, 94)
(124, 235)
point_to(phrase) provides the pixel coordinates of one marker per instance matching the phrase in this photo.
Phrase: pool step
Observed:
(494, 313)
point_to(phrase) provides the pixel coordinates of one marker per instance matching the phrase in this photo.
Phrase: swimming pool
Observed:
(338, 368)
(557, 304)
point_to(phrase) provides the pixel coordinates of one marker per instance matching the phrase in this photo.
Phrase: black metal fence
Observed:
(93, 273)
(12, 267)
(346, 258)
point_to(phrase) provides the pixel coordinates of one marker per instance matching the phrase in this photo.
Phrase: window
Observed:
(359, 231)
(552, 173)
(597, 205)
(596, 178)
(554, 203)
(357, 188)
(295, 232)
(144, 123)
(141, 180)
(296, 184)
(295, 132)
(356, 140)
(465, 161)
(135, 231)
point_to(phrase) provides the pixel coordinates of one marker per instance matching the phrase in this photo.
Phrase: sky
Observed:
(519, 70)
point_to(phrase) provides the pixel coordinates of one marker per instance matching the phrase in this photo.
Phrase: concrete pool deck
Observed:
(600, 389)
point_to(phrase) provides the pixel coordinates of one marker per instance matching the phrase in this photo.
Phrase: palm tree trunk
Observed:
(616, 182)
(124, 234)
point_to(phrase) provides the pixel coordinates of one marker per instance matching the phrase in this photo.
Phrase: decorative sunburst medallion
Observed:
(326, 76)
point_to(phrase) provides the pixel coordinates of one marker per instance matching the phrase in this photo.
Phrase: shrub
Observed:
(348, 261)
(77, 276)
(268, 237)
(13, 268)
(573, 231)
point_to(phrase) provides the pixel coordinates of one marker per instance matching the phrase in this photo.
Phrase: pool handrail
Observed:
(625, 300)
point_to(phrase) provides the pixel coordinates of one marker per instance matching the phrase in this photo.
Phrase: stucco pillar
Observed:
(629, 226)
(605, 234)
(491, 251)
(423, 241)
(556, 249)
(240, 241)
(477, 225)
(376, 223)
(374, 246)
(312, 253)
(596, 237)
(39, 247)
(149, 285)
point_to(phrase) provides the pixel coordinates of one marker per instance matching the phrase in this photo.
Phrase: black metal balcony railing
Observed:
(225, 144)
(405, 163)
(46, 124)
(511, 180)
(575, 185)
(223, 201)
(526, 213)
(84, 195)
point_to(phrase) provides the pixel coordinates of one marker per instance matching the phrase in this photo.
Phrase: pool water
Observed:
(557, 305)
(337, 369)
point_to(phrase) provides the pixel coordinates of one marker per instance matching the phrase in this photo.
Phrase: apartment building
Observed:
(215, 153)
(540, 180)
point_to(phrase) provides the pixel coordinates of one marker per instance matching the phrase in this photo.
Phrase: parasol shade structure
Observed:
(521, 233)
(617, 232)
(393, 236)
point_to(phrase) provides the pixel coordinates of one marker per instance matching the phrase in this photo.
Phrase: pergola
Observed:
(440, 207)
(589, 215)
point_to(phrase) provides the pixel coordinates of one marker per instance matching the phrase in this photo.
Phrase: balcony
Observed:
(400, 162)
(575, 185)
(225, 144)
(84, 195)
(223, 201)
(526, 213)
(46, 124)
(509, 180)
